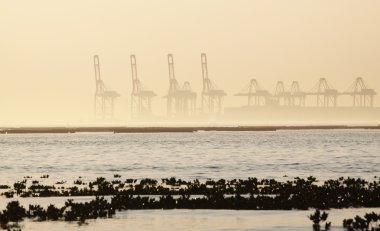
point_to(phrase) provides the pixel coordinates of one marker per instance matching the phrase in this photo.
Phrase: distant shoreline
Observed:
(121, 129)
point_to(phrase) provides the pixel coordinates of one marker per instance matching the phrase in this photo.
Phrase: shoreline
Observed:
(125, 129)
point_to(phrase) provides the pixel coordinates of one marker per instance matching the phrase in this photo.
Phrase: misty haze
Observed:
(48, 48)
(190, 115)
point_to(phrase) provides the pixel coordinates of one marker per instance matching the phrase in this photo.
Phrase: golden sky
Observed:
(46, 49)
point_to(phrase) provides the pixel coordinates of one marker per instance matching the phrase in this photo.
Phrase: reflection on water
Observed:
(203, 220)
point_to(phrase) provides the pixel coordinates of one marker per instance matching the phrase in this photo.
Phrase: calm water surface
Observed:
(321, 153)
(204, 220)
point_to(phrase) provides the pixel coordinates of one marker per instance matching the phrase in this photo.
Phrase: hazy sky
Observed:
(46, 49)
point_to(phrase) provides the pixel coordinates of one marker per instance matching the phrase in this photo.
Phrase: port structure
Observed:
(281, 96)
(211, 95)
(104, 99)
(181, 101)
(141, 98)
(362, 95)
(325, 94)
(256, 96)
(297, 96)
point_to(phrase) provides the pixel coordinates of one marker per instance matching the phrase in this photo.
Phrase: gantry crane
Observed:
(281, 96)
(362, 95)
(326, 95)
(211, 95)
(255, 94)
(140, 98)
(297, 97)
(104, 99)
(180, 101)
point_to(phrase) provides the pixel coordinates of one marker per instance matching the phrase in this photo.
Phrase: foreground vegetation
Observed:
(250, 193)
(244, 194)
(368, 223)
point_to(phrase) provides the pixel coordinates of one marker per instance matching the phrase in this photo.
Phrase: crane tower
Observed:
(104, 99)
(362, 95)
(281, 96)
(256, 96)
(211, 96)
(297, 97)
(180, 101)
(140, 98)
(325, 94)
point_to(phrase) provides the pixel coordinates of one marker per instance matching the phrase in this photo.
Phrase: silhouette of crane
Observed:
(362, 95)
(211, 95)
(104, 99)
(256, 96)
(140, 98)
(326, 95)
(281, 97)
(180, 101)
(297, 97)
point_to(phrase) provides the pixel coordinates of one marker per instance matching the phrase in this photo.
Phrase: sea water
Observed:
(282, 155)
